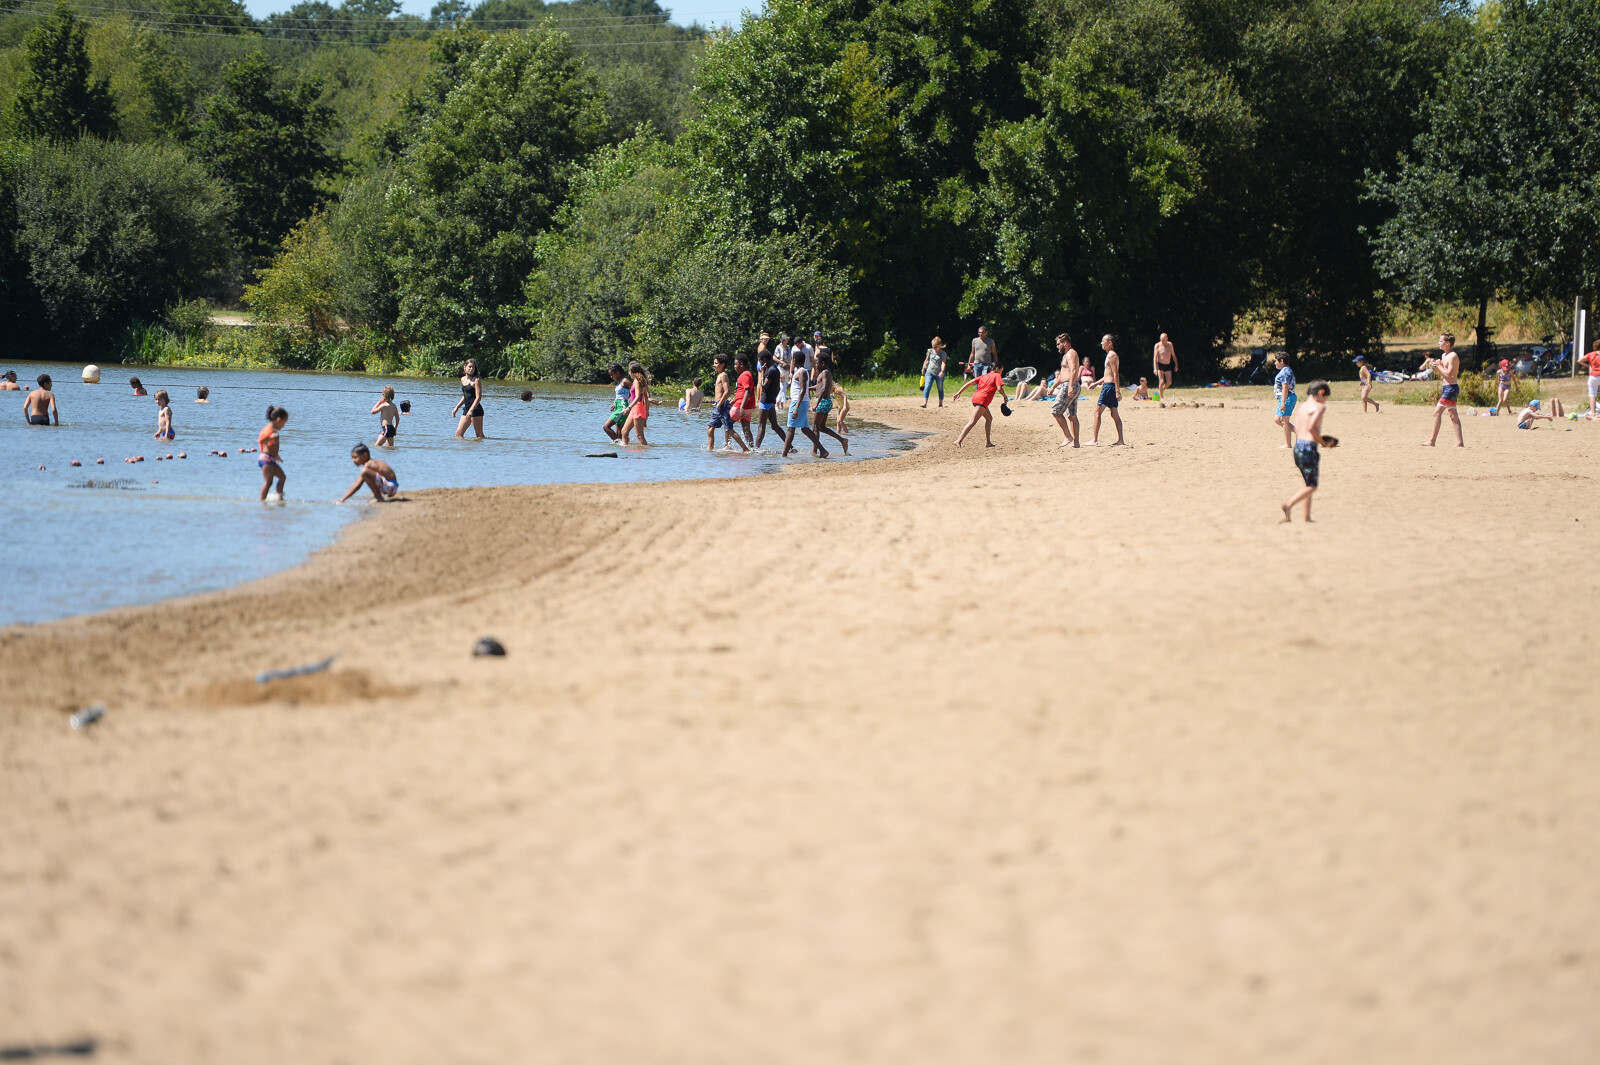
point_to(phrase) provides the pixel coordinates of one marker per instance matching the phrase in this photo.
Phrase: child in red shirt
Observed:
(984, 389)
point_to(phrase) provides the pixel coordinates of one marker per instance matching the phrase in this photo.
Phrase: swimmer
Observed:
(825, 390)
(138, 389)
(619, 402)
(388, 418)
(164, 430)
(8, 383)
(721, 405)
(41, 403)
(471, 402)
(984, 388)
(203, 394)
(1308, 435)
(267, 455)
(375, 474)
(692, 396)
(1364, 371)
(638, 403)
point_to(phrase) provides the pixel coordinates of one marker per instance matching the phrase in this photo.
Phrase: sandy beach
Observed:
(1014, 755)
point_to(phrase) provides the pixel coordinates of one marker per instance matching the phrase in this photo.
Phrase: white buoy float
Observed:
(91, 374)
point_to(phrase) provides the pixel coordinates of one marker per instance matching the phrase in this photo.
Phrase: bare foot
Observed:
(989, 444)
(846, 446)
(1309, 521)
(1092, 443)
(1119, 443)
(1283, 447)
(958, 443)
(1286, 517)
(1066, 443)
(1427, 443)
(824, 455)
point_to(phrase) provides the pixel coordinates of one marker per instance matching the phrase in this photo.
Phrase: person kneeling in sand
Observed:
(375, 474)
(1308, 436)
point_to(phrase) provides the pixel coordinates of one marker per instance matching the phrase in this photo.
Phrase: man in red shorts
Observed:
(1449, 366)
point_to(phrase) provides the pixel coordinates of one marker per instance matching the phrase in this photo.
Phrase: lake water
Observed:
(93, 537)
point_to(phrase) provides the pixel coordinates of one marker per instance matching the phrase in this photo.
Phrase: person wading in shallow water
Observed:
(471, 402)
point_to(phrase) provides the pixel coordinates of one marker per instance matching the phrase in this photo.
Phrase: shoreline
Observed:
(951, 756)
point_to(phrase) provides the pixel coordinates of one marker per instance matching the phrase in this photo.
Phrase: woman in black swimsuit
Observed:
(471, 402)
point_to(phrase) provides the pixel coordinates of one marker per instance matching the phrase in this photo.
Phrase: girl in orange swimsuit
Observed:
(639, 412)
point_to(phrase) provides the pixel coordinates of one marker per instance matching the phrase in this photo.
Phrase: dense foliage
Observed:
(553, 186)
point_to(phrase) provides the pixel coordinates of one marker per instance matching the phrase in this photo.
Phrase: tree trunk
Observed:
(1483, 331)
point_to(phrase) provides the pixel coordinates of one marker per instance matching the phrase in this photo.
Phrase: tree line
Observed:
(550, 188)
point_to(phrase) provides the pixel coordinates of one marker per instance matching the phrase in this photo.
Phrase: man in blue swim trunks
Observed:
(1449, 366)
(800, 409)
(1284, 398)
(1110, 389)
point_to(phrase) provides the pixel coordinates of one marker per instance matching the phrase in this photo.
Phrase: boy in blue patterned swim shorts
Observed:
(1284, 397)
(1308, 435)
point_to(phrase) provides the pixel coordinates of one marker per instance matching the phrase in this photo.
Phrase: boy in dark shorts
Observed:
(41, 403)
(721, 410)
(1308, 435)
(388, 417)
(767, 407)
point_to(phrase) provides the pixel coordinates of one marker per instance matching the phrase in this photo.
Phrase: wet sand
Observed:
(1017, 755)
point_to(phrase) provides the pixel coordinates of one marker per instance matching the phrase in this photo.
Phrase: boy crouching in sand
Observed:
(1308, 435)
(375, 474)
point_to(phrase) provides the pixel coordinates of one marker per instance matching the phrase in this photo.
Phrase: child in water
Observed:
(267, 455)
(164, 430)
(9, 382)
(620, 391)
(693, 396)
(639, 403)
(203, 395)
(375, 474)
(41, 403)
(138, 389)
(388, 418)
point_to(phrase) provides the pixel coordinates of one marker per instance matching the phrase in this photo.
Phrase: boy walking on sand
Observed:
(721, 416)
(388, 418)
(1308, 435)
(1068, 385)
(984, 388)
(1109, 388)
(1283, 395)
(1449, 367)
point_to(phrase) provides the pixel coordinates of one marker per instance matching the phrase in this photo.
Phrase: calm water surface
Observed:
(84, 539)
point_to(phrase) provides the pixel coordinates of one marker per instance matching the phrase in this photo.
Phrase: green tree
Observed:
(264, 140)
(1497, 196)
(58, 97)
(112, 233)
(485, 153)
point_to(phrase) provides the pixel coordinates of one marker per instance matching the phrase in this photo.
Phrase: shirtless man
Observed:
(1108, 390)
(1166, 363)
(819, 413)
(9, 382)
(41, 403)
(1308, 435)
(1065, 408)
(1449, 367)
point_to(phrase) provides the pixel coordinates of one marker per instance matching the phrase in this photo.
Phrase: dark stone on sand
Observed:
(488, 646)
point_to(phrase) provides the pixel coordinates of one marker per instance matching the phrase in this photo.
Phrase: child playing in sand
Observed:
(267, 455)
(388, 418)
(41, 403)
(1364, 371)
(164, 430)
(984, 388)
(1308, 435)
(721, 410)
(1143, 391)
(202, 394)
(1534, 412)
(638, 403)
(375, 474)
(692, 396)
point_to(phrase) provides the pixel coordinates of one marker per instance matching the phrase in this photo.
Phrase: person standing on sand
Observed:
(1165, 362)
(1592, 361)
(1364, 371)
(1110, 387)
(984, 353)
(933, 367)
(1284, 397)
(1068, 386)
(1449, 367)
(825, 390)
(471, 402)
(1308, 435)
(984, 388)
(41, 403)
